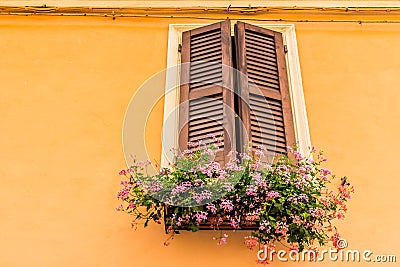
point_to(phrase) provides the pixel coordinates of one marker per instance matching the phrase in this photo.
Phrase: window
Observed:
(271, 104)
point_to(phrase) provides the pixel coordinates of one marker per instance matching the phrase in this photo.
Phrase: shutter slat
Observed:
(214, 56)
(259, 119)
(208, 68)
(262, 110)
(271, 108)
(199, 121)
(206, 123)
(265, 76)
(267, 115)
(204, 108)
(269, 137)
(279, 132)
(256, 69)
(213, 48)
(203, 135)
(217, 130)
(260, 101)
(198, 38)
(265, 82)
(270, 147)
(265, 67)
(206, 111)
(257, 42)
(208, 41)
(268, 127)
(263, 64)
(200, 65)
(205, 75)
(259, 52)
(255, 35)
(267, 93)
(272, 144)
(211, 45)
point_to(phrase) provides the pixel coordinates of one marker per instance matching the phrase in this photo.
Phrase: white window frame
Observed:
(171, 100)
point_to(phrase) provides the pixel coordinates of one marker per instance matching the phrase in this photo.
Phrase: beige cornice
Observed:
(183, 4)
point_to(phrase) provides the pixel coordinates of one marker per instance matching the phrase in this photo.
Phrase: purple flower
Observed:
(198, 182)
(325, 171)
(178, 189)
(200, 216)
(155, 187)
(211, 207)
(199, 197)
(272, 195)
(226, 205)
(122, 172)
(303, 197)
(234, 223)
(251, 190)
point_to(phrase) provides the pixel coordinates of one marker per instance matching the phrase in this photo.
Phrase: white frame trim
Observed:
(170, 138)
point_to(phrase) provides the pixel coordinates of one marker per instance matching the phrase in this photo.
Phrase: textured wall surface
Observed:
(65, 85)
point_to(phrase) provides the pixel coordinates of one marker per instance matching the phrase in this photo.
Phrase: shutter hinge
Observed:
(285, 49)
(179, 48)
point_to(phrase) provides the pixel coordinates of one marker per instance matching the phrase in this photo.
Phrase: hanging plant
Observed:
(288, 200)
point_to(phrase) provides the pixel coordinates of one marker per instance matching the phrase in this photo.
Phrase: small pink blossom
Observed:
(222, 240)
(250, 241)
(123, 172)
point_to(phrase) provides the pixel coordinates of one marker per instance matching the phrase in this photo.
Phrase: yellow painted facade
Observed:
(65, 86)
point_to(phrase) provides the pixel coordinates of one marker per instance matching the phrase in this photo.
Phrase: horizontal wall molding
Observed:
(214, 4)
(116, 9)
(232, 3)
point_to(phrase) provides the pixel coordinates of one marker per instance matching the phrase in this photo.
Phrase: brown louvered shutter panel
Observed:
(206, 87)
(265, 105)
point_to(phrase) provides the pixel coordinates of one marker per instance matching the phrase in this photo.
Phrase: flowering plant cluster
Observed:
(288, 200)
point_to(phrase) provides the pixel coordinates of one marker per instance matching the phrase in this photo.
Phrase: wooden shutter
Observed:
(264, 106)
(206, 85)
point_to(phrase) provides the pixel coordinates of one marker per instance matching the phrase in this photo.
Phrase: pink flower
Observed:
(335, 239)
(264, 225)
(293, 247)
(325, 171)
(297, 220)
(250, 241)
(123, 172)
(340, 215)
(345, 191)
(317, 227)
(200, 216)
(223, 240)
(251, 190)
(234, 223)
(211, 207)
(226, 205)
(264, 262)
(271, 195)
(281, 228)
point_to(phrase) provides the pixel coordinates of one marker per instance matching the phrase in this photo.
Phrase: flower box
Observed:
(284, 200)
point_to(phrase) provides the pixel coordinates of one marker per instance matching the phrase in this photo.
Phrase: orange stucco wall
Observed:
(64, 86)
